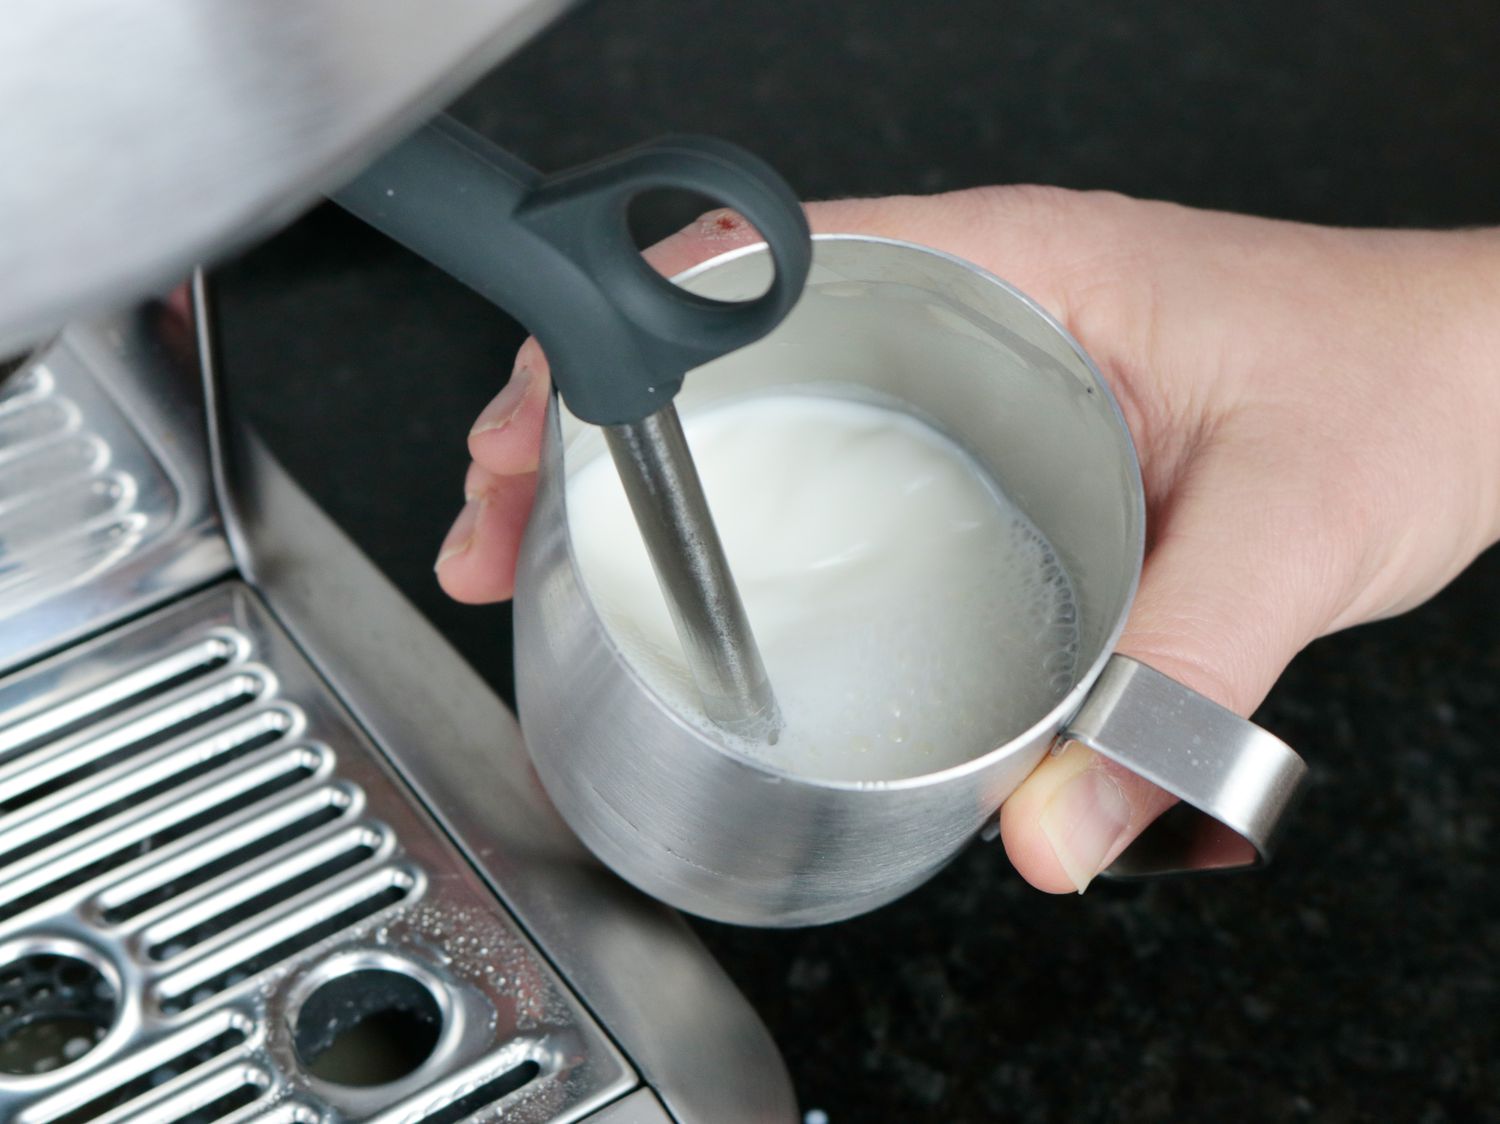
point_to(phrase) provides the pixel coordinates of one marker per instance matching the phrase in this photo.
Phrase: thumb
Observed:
(1226, 599)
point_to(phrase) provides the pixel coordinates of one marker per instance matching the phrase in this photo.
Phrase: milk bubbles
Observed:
(909, 615)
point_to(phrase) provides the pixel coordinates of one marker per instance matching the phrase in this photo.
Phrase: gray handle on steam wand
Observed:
(556, 252)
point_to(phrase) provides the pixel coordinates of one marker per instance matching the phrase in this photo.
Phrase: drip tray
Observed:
(217, 902)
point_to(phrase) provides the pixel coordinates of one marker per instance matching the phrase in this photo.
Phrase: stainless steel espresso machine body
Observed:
(269, 849)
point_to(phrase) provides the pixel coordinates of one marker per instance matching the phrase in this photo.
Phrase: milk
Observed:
(909, 616)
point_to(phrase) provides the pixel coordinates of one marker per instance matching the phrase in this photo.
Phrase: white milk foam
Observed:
(910, 617)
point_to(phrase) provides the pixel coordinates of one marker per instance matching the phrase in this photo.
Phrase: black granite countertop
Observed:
(1357, 979)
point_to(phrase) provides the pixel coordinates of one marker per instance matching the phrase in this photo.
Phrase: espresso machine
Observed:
(269, 849)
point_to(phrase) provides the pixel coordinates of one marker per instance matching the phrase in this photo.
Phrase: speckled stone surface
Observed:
(1359, 978)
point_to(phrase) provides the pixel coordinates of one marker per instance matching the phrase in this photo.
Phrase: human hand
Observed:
(1317, 413)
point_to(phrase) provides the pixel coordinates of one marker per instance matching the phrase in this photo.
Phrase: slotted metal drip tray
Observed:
(217, 902)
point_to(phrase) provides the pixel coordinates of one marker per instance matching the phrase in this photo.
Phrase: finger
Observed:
(506, 438)
(477, 562)
(1041, 239)
(1225, 602)
(1073, 816)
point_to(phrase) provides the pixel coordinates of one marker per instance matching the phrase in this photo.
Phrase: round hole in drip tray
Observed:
(367, 1027)
(54, 1009)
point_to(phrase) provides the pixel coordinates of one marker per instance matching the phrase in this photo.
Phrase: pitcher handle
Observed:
(1234, 779)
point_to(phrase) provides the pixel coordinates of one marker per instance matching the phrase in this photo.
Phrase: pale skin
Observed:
(1317, 413)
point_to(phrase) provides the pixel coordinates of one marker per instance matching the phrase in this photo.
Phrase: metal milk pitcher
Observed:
(717, 833)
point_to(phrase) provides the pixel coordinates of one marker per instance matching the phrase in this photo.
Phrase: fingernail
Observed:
(505, 405)
(1083, 822)
(461, 536)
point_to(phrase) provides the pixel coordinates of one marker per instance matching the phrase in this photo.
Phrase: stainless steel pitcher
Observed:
(720, 834)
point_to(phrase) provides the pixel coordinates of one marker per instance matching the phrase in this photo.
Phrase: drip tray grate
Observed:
(196, 839)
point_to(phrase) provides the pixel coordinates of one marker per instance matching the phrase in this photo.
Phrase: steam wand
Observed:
(556, 252)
